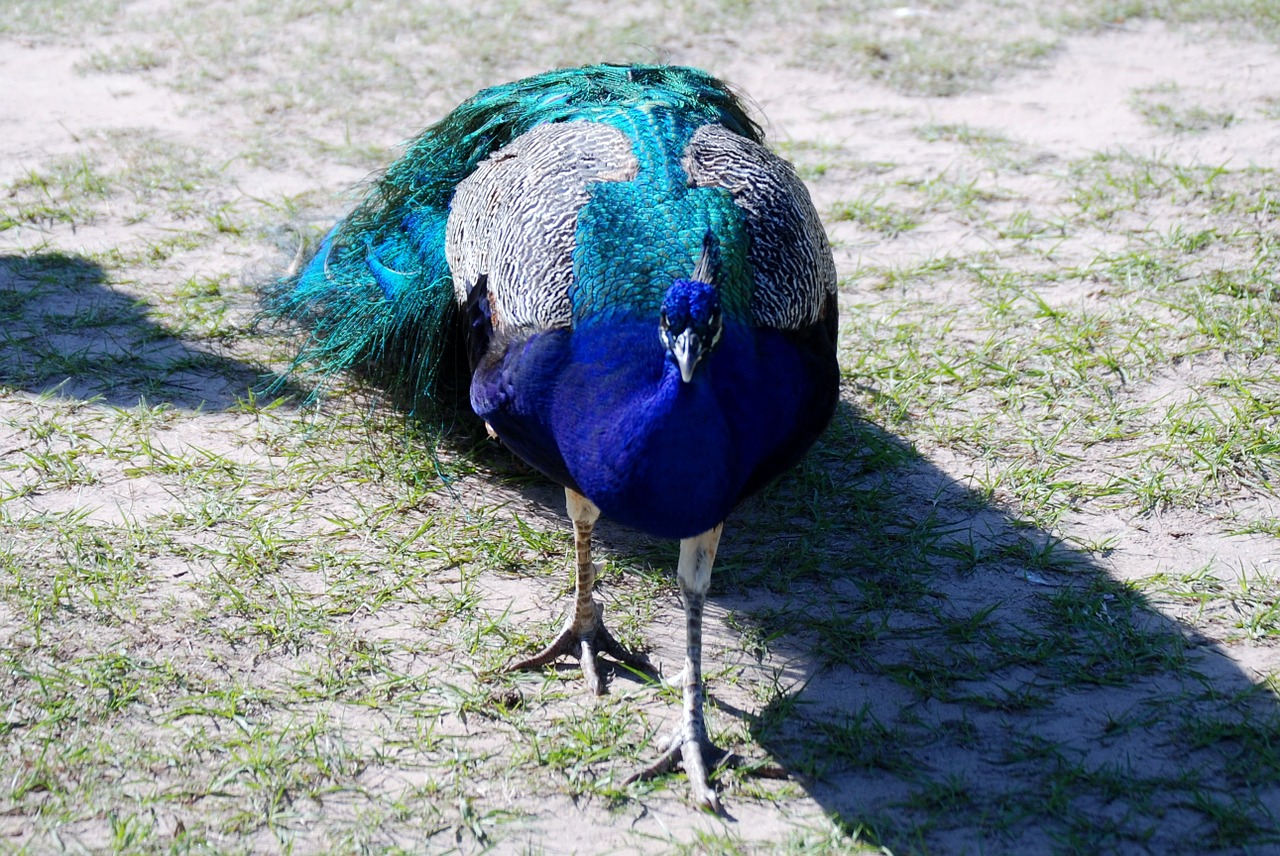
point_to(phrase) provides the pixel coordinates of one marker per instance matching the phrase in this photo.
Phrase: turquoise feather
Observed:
(379, 295)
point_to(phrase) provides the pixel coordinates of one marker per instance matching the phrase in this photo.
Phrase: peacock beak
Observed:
(688, 349)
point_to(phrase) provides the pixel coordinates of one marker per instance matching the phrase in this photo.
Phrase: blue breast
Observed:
(602, 409)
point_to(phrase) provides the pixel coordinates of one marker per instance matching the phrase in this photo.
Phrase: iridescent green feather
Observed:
(378, 295)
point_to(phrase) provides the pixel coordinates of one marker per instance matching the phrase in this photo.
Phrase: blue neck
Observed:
(674, 458)
(602, 409)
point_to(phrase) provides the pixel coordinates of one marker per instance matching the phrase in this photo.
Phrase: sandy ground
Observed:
(1078, 103)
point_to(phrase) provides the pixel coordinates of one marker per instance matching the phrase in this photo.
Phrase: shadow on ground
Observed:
(64, 331)
(958, 681)
(961, 682)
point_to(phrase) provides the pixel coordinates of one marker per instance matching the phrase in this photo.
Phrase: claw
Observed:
(702, 759)
(584, 634)
(587, 641)
(696, 753)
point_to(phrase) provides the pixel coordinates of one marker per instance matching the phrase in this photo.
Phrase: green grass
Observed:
(1161, 106)
(977, 618)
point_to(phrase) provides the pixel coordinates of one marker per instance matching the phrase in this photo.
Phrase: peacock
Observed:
(644, 299)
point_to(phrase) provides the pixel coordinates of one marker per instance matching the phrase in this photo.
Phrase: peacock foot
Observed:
(586, 640)
(690, 747)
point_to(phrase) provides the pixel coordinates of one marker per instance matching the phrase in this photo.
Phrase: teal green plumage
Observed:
(378, 294)
(663, 220)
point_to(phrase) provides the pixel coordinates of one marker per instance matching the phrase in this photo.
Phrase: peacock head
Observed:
(691, 323)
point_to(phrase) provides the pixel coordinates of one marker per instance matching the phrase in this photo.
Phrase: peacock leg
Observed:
(690, 745)
(584, 633)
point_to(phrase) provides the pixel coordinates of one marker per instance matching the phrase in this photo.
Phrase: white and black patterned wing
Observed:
(789, 254)
(512, 221)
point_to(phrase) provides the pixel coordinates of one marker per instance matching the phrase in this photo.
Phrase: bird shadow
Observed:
(66, 332)
(945, 677)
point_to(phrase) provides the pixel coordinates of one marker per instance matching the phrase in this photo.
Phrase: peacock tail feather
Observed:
(378, 295)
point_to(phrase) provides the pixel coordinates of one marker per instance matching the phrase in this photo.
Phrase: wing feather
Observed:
(513, 220)
(790, 257)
